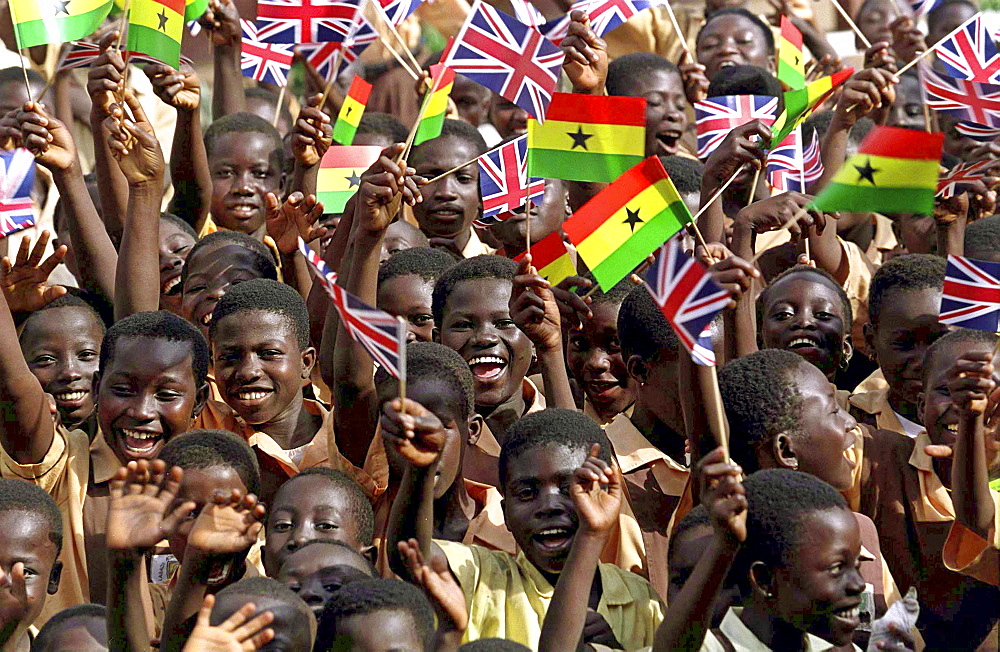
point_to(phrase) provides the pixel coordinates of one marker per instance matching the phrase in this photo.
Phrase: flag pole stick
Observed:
(402, 363)
(121, 26)
(847, 19)
(469, 162)
(716, 415)
(24, 70)
(399, 39)
(795, 218)
(900, 72)
(680, 34)
(718, 193)
(753, 187)
(333, 74)
(399, 59)
(281, 102)
(420, 116)
(527, 225)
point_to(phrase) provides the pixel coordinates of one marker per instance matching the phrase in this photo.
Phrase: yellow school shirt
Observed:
(876, 403)
(507, 598)
(744, 640)
(476, 247)
(970, 554)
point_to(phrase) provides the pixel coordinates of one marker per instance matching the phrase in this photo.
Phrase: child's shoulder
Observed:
(621, 586)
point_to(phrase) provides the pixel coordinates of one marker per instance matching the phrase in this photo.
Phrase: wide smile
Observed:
(487, 368)
(71, 398)
(669, 140)
(251, 396)
(604, 389)
(139, 443)
(553, 540)
(849, 617)
(171, 286)
(243, 211)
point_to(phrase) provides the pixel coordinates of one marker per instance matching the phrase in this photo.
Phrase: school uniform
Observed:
(476, 247)
(508, 597)
(733, 636)
(883, 240)
(873, 408)
(970, 554)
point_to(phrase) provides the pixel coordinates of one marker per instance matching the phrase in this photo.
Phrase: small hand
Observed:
(222, 21)
(723, 496)
(228, 525)
(380, 184)
(294, 219)
(907, 39)
(106, 77)
(775, 212)
(586, 62)
(177, 88)
(534, 309)
(312, 133)
(439, 584)
(10, 130)
(597, 507)
(731, 273)
(736, 150)
(238, 633)
(864, 93)
(141, 512)
(415, 432)
(15, 585)
(948, 211)
(573, 308)
(970, 382)
(134, 145)
(879, 56)
(695, 81)
(24, 282)
(47, 138)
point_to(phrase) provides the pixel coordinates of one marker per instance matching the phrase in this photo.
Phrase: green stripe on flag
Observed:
(429, 129)
(855, 199)
(154, 43)
(60, 29)
(646, 239)
(194, 9)
(579, 165)
(334, 201)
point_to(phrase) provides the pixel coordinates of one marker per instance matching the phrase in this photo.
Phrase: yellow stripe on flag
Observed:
(558, 269)
(339, 179)
(583, 137)
(26, 10)
(884, 172)
(351, 111)
(438, 103)
(148, 14)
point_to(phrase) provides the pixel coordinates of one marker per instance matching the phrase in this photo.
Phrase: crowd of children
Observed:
(197, 455)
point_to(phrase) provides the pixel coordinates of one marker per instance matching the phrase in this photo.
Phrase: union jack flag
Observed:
(978, 133)
(786, 165)
(266, 62)
(971, 296)
(964, 175)
(525, 12)
(17, 178)
(508, 57)
(717, 116)
(306, 21)
(970, 53)
(399, 10)
(321, 56)
(921, 7)
(966, 100)
(688, 297)
(81, 54)
(382, 335)
(503, 178)
(605, 15)
(812, 160)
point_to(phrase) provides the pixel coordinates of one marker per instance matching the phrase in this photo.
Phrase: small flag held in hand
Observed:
(715, 117)
(340, 174)
(971, 295)
(503, 180)
(551, 258)
(352, 110)
(791, 59)
(442, 81)
(17, 178)
(963, 175)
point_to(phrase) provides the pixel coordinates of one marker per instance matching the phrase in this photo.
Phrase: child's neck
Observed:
(454, 511)
(293, 427)
(860, 234)
(905, 408)
(776, 634)
(668, 438)
(503, 416)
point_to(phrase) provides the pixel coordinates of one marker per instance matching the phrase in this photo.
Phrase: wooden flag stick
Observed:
(718, 193)
(122, 25)
(399, 59)
(281, 102)
(847, 19)
(24, 57)
(709, 376)
(402, 362)
(527, 226)
(404, 47)
(680, 34)
(469, 162)
(420, 116)
(333, 75)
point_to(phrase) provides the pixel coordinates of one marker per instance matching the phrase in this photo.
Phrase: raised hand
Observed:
(880, 56)
(534, 309)
(439, 584)
(294, 219)
(14, 586)
(586, 62)
(312, 133)
(695, 81)
(105, 78)
(573, 308)
(596, 491)
(45, 137)
(178, 88)
(415, 432)
(238, 633)
(736, 150)
(380, 184)
(141, 512)
(970, 382)
(10, 130)
(773, 213)
(134, 145)
(907, 39)
(723, 496)
(864, 93)
(24, 282)
(222, 20)
(731, 273)
(227, 525)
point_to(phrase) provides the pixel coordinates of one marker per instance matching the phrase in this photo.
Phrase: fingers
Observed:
(205, 612)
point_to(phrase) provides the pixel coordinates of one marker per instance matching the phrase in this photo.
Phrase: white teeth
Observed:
(849, 613)
(801, 340)
(71, 396)
(252, 396)
(487, 359)
(139, 435)
(952, 427)
(207, 319)
(171, 284)
(553, 532)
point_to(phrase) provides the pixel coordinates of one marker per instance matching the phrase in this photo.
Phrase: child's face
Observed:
(826, 430)
(316, 572)
(198, 486)
(732, 40)
(819, 589)
(805, 315)
(595, 360)
(471, 100)
(956, 144)
(146, 396)
(264, 108)
(537, 506)
(378, 631)
(946, 20)
(477, 324)
(62, 347)
(409, 296)
(400, 236)
(258, 365)
(908, 109)
(80, 634)
(211, 271)
(908, 324)
(314, 509)
(175, 245)
(546, 219)
(666, 105)
(874, 21)
(24, 537)
(509, 119)
(450, 204)
(245, 167)
(289, 632)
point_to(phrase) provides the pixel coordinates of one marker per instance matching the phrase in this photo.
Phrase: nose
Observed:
(144, 408)
(485, 336)
(169, 262)
(446, 189)
(598, 361)
(243, 184)
(855, 583)
(310, 593)
(70, 369)
(248, 369)
(804, 319)
(550, 504)
(296, 538)
(411, 335)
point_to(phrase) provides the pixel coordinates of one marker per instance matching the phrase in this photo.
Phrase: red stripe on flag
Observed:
(895, 142)
(353, 156)
(791, 33)
(173, 5)
(597, 109)
(360, 90)
(546, 251)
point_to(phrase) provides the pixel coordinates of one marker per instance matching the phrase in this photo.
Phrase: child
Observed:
(319, 568)
(376, 615)
(318, 503)
(400, 236)
(177, 238)
(688, 542)
(546, 218)
(405, 285)
(508, 596)
(61, 344)
(903, 306)
(81, 628)
(293, 622)
(31, 536)
(733, 36)
(982, 239)
(379, 129)
(643, 74)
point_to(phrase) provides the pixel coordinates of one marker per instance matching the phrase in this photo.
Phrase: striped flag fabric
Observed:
(442, 81)
(508, 57)
(970, 53)
(503, 179)
(922, 7)
(525, 12)
(340, 174)
(627, 221)
(715, 117)
(83, 53)
(351, 111)
(688, 297)
(800, 104)
(963, 175)
(399, 10)
(588, 137)
(551, 258)
(37, 22)
(17, 178)
(786, 165)
(813, 160)
(966, 100)
(971, 294)
(156, 27)
(266, 62)
(193, 10)
(978, 133)
(306, 21)
(605, 16)
(791, 59)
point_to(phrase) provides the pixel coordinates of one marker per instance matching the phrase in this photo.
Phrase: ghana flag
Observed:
(340, 174)
(551, 258)
(155, 27)
(587, 138)
(37, 22)
(193, 9)
(437, 104)
(800, 103)
(627, 221)
(351, 111)
(894, 171)
(791, 60)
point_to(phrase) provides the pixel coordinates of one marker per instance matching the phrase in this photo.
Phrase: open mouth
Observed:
(603, 388)
(727, 63)
(207, 319)
(487, 367)
(74, 397)
(138, 443)
(802, 343)
(219, 572)
(252, 396)
(171, 286)
(669, 140)
(553, 539)
(850, 616)
(243, 211)
(447, 214)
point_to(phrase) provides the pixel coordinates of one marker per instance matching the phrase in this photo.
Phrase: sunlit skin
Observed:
(875, 18)
(378, 631)
(732, 40)
(262, 107)
(545, 219)
(946, 19)
(409, 296)
(510, 120)
(666, 110)
(449, 204)
(292, 631)
(24, 538)
(244, 168)
(198, 486)
(317, 571)
(472, 100)
(594, 358)
(908, 109)
(401, 235)
(175, 245)
(211, 271)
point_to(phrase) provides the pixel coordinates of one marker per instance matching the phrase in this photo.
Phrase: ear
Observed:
(762, 580)
(436, 334)
(638, 369)
(200, 399)
(370, 553)
(54, 576)
(869, 332)
(476, 425)
(308, 361)
(784, 452)
(848, 350)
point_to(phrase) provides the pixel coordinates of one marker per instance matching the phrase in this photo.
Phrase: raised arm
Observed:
(288, 222)
(222, 20)
(312, 136)
(737, 150)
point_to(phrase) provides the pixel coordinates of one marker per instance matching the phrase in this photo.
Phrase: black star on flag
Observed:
(579, 138)
(61, 7)
(866, 172)
(349, 109)
(632, 218)
(354, 179)
(163, 20)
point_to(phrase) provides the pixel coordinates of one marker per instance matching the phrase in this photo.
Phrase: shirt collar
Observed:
(103, 460)
(744, 640)
(475, 246)
(918, 458)
(632, 449)
(614, 590)
(316, 452)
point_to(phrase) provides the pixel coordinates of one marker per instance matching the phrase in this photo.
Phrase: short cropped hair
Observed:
(933, 13)
(686, 173)
(20, 496)
(357, 502)
(625, 70)
(16, 74)
(470, 269)
(615, 295)
(461, 130)
(263, 259)
(908, 273)
(552, 427)
(180, 224)
(744, 80)
(493, 645)
(764, 28)
(373, 572)
(696, 518)
(44, 638)
(243, 123)
(265, 295)
(642, 328)
(426, 262)
(985, 339)
(819, 276)
(982, 238)
(761, 400)
(433, 361)
(383, 124)
(206, 449)
(159, 325)
(370, 596)
(269, 97)
(65, 301)
(265, 587)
